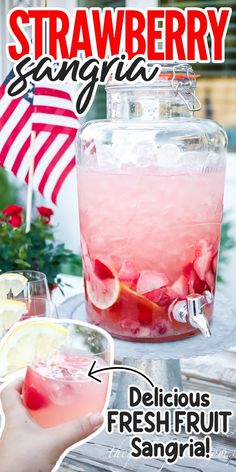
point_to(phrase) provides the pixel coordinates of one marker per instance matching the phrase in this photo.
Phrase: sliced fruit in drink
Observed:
(151, 280)
(33, 398)
(132, 306)
(160, 328)
(210, 279)
(12, 283)
(102, 271)
(195, 284)
(130, 325)
(202, 263)
(26, 340)
(187, 270)
(179, 289)
(128, 274)
(102, 287)
(214, 263)
(11, 311)
(159, 296)
(103, 293)
(138, 306)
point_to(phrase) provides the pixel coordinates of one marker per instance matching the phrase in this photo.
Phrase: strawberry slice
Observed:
(151, 280)
(128, 274)
(159, 296)
(102, 271)
(33, 399)
(179, 289)
(210, 279)
(160, 328)
(187, 270)
(195, 284)
(202, 263)
(130, 325)
(215, 263)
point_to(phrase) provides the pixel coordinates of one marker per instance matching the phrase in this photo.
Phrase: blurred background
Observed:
(216, 90)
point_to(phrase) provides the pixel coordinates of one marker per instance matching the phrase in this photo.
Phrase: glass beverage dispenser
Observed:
(151, 182)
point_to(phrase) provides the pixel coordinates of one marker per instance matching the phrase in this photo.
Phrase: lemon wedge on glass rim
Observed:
(10, 312)
(11, 282)
(28, 340)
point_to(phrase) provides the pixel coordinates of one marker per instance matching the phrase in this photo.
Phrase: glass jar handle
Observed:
(184, 87)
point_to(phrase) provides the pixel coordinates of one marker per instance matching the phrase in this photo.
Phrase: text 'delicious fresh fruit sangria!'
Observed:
(151, 182)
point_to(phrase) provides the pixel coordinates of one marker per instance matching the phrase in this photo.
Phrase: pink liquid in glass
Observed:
(60, 390)
(147, 240)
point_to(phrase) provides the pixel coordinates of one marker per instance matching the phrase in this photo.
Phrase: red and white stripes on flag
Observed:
(46, 109)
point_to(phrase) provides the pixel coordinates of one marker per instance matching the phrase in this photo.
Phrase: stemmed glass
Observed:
(33, 300)
(39, 307)
(19, 309)
(37, 285)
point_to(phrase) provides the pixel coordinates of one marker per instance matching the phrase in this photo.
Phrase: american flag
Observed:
(46, 109)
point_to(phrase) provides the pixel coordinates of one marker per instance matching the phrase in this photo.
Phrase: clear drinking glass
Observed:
(40, 307)
(37, 285)
(58, 389)
(13, 310)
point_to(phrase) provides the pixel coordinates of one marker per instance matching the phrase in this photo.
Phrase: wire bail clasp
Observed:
(183, 83)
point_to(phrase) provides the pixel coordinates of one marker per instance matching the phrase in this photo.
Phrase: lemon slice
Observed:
(103, 294)
(28, 340)
(12, 282)
(10, 312)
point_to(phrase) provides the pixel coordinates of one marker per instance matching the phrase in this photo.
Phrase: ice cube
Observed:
(106, 159)
(144, 153)
(169, 156)
(121, 148)
(61, 393)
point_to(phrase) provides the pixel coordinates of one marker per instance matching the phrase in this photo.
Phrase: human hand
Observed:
(25, 446)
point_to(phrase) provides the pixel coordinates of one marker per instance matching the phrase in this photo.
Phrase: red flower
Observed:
(15, 221)
(12, 210)
(45, 214)
(13, 215)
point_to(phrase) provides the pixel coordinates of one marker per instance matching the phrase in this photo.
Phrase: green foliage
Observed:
(7, 190)
(36, 250)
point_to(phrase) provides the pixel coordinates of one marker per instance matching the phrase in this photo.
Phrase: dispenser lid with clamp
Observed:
(184, 84)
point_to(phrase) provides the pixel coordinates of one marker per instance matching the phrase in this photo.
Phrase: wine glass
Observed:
(19, 309)
(37, 285)
(39, 307)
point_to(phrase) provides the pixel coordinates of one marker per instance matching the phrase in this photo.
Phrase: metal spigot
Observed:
(191, 311)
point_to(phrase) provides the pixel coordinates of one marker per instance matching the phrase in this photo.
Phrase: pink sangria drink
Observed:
(147, 240)
(151, 183)
(58, 388)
